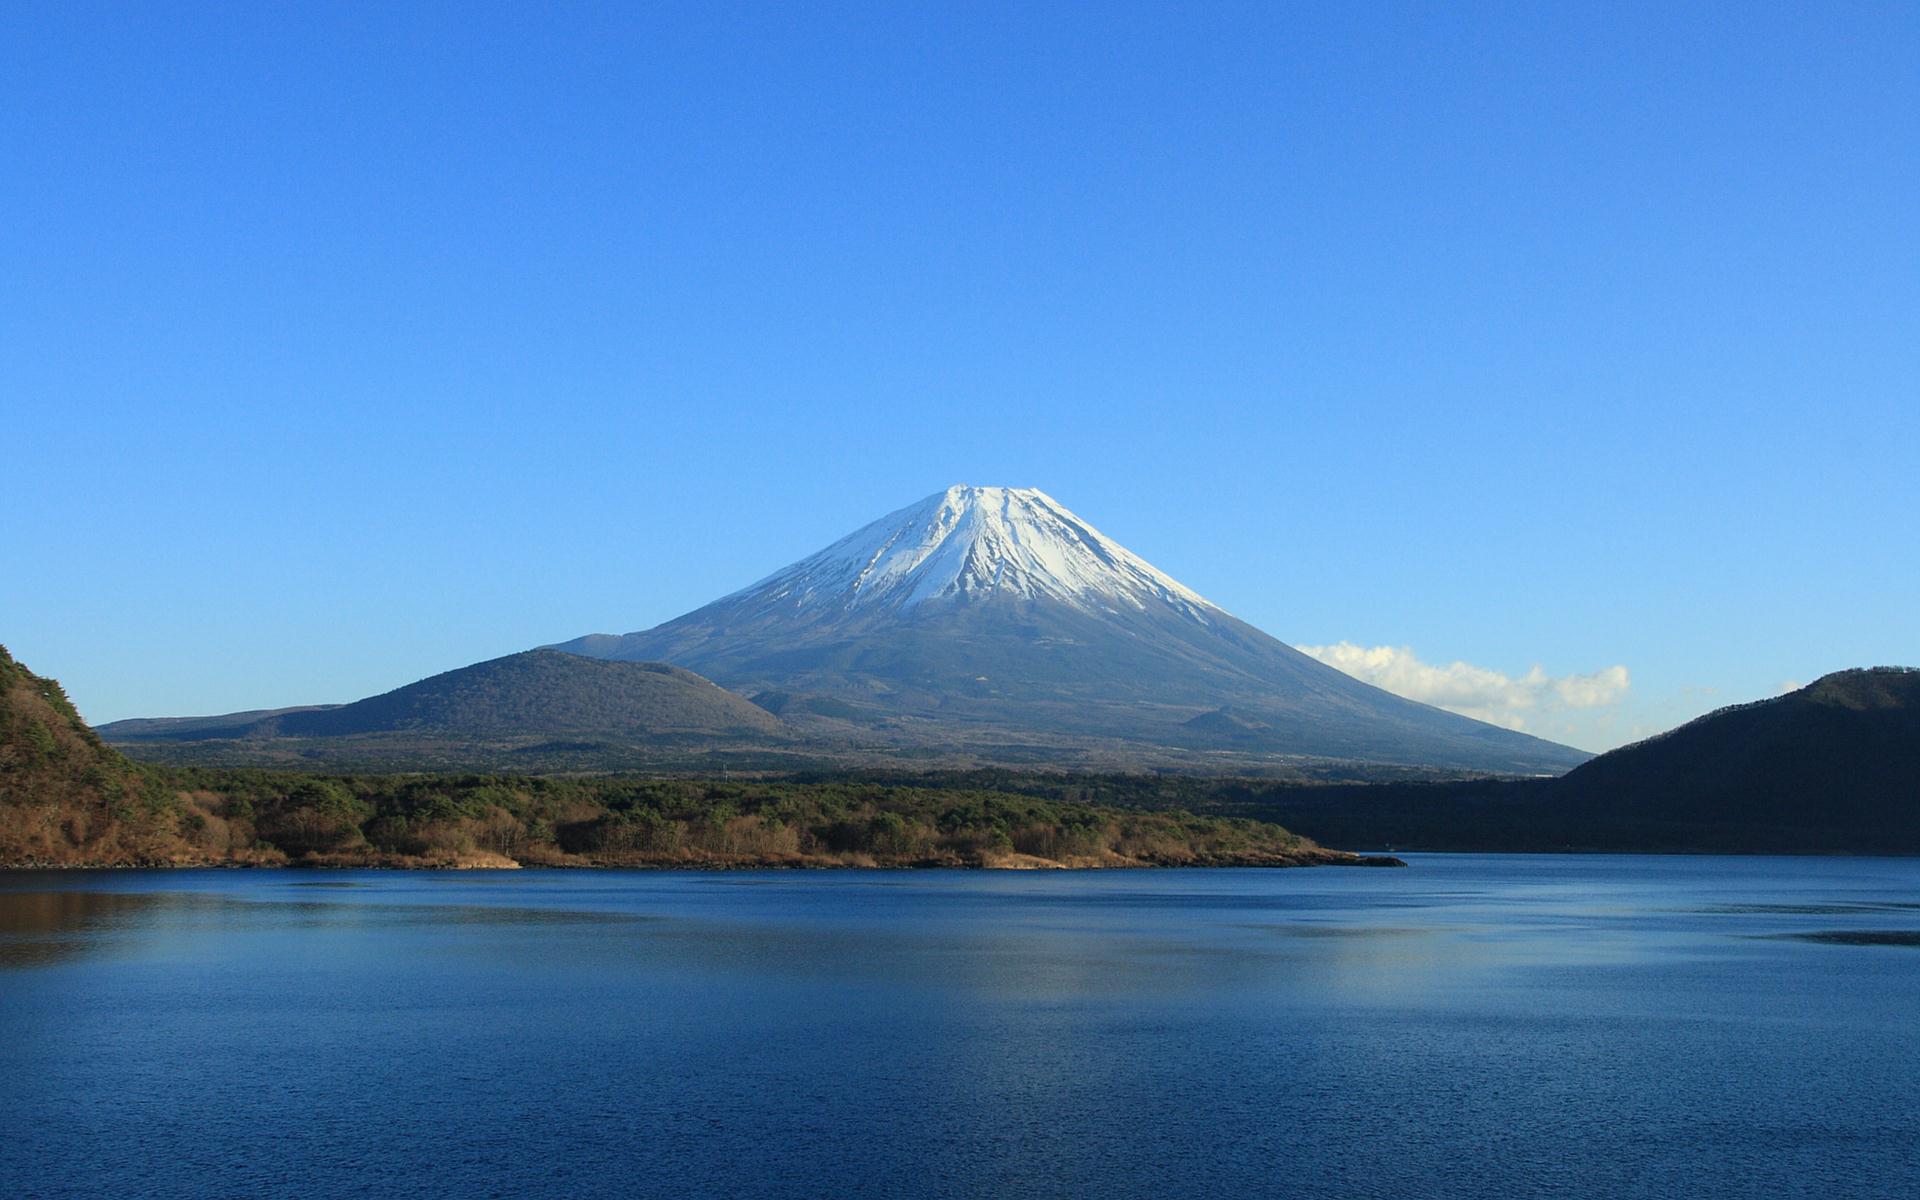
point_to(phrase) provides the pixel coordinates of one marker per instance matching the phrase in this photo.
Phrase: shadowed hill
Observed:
(1831, 768)
(1842, 752)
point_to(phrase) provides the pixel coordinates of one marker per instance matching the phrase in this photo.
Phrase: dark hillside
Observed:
(1831, 768)
(1841, 753)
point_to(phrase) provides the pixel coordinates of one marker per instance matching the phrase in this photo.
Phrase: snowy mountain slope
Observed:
(996, 618)
(969, 543)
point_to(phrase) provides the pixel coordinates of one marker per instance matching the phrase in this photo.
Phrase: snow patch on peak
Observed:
(971, 543)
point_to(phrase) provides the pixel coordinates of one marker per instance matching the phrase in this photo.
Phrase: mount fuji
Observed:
(995, 622)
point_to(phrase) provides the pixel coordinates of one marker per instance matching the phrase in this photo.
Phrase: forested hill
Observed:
(1831, 768)
(60, 786)
(1843, 752)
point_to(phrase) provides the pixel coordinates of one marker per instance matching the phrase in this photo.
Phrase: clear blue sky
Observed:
(340, 345)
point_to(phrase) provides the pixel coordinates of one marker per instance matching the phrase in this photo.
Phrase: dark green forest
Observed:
(478, 819)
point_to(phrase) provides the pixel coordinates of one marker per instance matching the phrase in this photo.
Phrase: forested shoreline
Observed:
(198, 817)
(69, 800)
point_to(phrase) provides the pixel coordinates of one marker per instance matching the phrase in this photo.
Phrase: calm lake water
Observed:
(1493, 1026)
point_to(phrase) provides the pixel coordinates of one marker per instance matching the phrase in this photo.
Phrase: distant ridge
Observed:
(994, 621)
(223, 725)
(536, 693)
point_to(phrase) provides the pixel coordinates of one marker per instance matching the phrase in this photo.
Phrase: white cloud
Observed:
(1479, 692)
(1790, 685)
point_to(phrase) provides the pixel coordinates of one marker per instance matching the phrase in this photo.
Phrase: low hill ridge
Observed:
(534, 693)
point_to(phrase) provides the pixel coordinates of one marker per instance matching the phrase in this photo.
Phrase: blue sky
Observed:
(340, 346)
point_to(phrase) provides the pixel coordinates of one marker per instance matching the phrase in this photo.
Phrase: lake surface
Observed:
(1474, 1026)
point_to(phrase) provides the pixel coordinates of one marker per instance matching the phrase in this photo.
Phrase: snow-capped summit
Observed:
(994, 624)
(969, 543)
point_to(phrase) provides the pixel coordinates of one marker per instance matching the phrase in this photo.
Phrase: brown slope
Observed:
(64, 795)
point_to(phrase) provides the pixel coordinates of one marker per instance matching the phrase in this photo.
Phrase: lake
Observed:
(1473, 1026)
